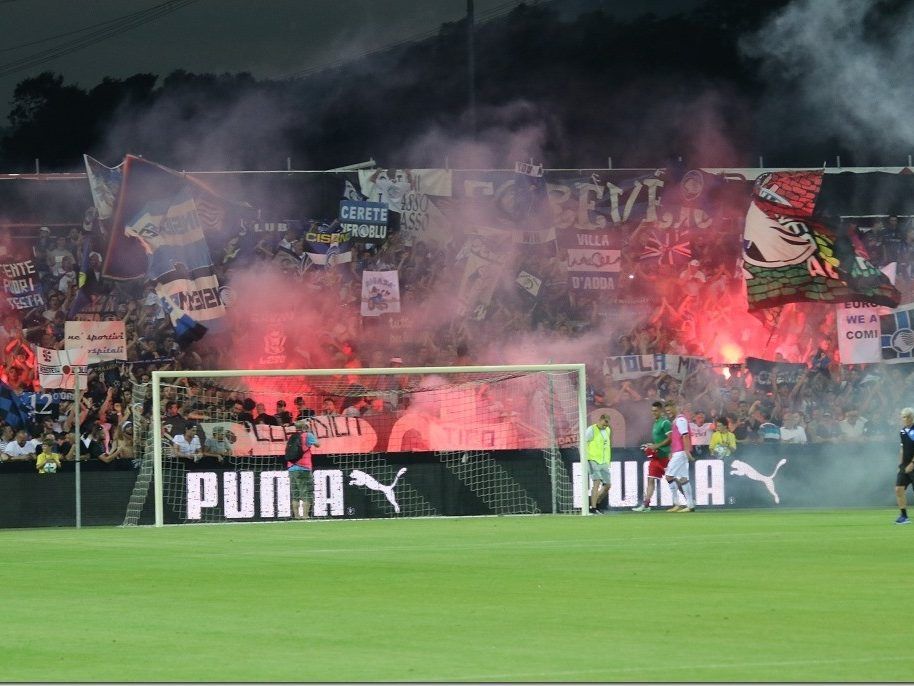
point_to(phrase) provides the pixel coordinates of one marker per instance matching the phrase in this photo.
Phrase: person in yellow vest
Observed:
(598, 438)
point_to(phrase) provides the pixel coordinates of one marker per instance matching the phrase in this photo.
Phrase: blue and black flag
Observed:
(11, 409)
(898, 336)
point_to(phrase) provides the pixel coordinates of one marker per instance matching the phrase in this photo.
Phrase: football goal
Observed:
(392, 442)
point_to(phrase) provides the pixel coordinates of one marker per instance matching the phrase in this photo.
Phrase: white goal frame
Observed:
(159, 375)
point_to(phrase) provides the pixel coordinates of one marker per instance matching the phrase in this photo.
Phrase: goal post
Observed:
(396, 441)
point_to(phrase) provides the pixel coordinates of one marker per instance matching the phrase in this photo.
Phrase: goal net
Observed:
(397, 442)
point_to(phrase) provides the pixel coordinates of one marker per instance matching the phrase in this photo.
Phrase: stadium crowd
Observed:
(829, 402)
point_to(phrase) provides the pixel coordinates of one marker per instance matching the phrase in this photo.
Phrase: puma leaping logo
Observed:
(360, 478)
(740, 468)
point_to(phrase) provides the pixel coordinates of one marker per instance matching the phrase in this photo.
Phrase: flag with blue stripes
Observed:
(11, 409)
(82, 298)
(897, 337)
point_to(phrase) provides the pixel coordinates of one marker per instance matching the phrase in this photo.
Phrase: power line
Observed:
(99, 33)
(75, 31)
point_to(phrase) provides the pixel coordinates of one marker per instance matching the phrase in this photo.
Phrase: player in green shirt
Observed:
(659, 453)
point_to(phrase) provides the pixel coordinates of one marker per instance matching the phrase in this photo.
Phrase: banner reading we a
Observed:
(859, 327)
(859, 332)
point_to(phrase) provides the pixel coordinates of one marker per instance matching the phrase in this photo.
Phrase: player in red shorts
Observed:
(658, 452)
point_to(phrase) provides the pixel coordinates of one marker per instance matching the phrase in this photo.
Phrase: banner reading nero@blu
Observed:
(364, 221)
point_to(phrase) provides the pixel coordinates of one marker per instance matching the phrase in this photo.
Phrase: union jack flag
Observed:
(666, 247)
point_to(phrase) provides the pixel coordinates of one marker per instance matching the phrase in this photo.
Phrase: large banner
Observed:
(767, 373)
(60, 368)
(20, 284)
(385, 433)
(366, 222)
(388, 485)
(636, 366)
(790, 255)
(757, 476)
(418, 197)
(102, 340)
(593, 258)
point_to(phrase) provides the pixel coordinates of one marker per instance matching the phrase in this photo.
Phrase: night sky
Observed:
(268, 38)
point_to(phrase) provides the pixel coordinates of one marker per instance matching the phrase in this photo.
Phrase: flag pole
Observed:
(78, 446)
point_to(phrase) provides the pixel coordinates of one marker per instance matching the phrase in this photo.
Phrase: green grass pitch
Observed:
(709, 596)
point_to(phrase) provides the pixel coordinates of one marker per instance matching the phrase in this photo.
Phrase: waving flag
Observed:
(187, 329)
(105, 184)
(147, 192)
(83, 297)
(328, 244)
(897, 335)
(790, 255)
(11, 410)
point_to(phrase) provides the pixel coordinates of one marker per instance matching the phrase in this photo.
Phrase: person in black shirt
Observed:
(264, 417)
(905, 464)
(283, 416)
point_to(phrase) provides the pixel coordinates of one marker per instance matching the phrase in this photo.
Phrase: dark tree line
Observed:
(643, 92)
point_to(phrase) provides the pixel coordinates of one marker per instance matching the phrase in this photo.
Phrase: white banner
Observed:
(859, 332)
(635, 366)
(198, 297)
(58, 368)
(380, 293)
(103, 340)
(858, 328)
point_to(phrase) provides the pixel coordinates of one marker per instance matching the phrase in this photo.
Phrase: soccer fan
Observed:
(853, 426)
(187, 445)
(22, 448)
(700, 432)
(47, 461)
(660, 447)
(217, 445)
(677, 470)
(723, 441)
(905, 464)
(792, 431)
